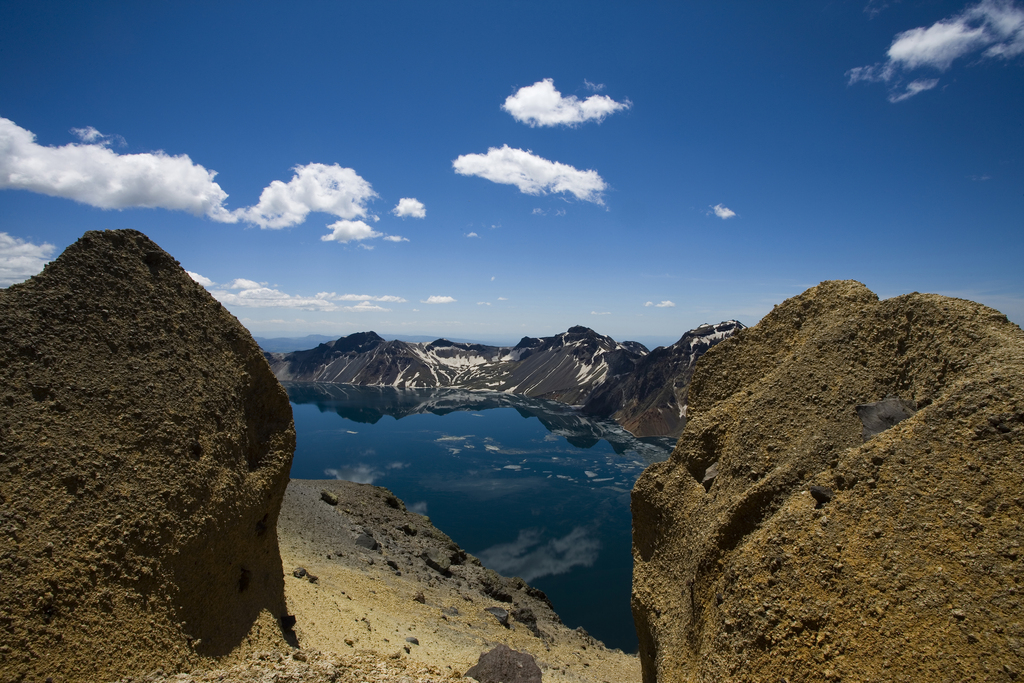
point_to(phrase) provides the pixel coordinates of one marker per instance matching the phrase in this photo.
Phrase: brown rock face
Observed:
(144, 453)
(904, 562)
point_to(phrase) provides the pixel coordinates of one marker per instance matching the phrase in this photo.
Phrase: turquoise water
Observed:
(530, 487)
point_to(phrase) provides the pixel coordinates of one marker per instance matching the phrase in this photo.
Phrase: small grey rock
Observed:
(367, 541)
(876, 417)
(500, 614)
(412, 639)
(437, 560)
(299, 572)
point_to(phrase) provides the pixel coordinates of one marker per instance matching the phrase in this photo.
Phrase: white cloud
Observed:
(665, 304)
(347, 231)
(437, 300)
(531, 174)
(204, 281)
(408, 206)
(723, 212)
(538, 212)
(600, 313)
(541, 105)
(314, 187)
(20, 260)
(395, 238)
(993, 27)
(94, 175)
(472, 234)
(502, 298)
(483, 303)
(593, 87)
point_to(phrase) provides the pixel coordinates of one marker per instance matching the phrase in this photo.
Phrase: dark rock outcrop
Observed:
(144, 452)
(814, 554)
(504, 665)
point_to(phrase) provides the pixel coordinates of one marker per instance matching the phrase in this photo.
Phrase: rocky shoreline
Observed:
(365, 575)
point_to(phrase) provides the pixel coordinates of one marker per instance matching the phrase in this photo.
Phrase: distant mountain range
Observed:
(642, 390)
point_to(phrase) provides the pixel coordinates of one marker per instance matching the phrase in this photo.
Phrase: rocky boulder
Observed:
(791, 537)
(144, 453)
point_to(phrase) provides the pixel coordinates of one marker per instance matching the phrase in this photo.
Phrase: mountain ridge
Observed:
(644, 391)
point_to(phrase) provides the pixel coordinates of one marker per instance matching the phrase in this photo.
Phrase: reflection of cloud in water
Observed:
(398, 465)
(419, 508)
(480, 486)
(492, 448)
(360, 474)
(453, 438)
(529, 557)
(552, 437)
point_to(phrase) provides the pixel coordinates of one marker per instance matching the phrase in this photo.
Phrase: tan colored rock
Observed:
(912, 570)
(144, 453)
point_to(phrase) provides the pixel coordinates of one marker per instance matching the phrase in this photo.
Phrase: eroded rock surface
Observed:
(906, 564)
(144, 453)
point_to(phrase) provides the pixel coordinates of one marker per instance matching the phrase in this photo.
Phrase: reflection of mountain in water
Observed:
(368, 404)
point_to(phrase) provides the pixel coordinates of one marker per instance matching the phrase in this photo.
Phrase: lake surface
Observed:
(531, 487)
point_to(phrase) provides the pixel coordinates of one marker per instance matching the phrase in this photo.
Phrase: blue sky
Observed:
(494, 170)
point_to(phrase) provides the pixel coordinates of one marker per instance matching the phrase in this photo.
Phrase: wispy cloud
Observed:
(531, 174)
(530, 557)
(472, 234)
(395, 238)
(663, 304)
(251, 294)
(541, 105)
(20, 259)
(437, 300)
(409, 206)
(600, 313)
(993, 28)
(722, 212)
